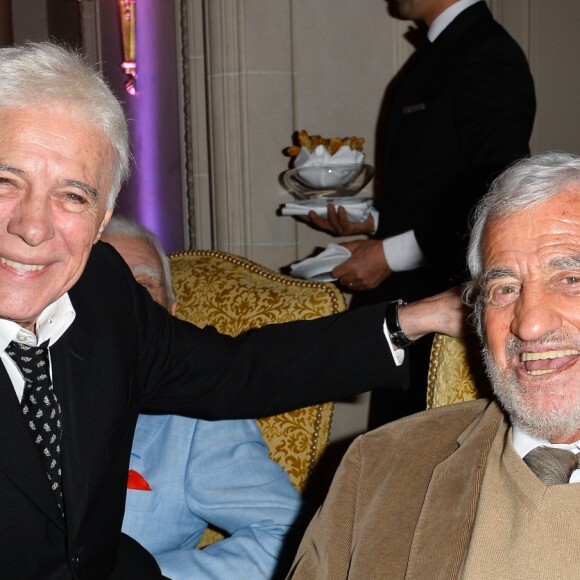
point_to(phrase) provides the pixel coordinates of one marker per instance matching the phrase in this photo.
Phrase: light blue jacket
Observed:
(204, 472)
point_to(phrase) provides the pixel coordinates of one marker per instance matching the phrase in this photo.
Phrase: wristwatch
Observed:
(397, 336)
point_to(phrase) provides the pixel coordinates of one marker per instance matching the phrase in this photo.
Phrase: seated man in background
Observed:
(479, 489)
(188, 473)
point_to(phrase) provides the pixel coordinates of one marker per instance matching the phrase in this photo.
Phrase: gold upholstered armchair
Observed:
(234, 294)
(456, 371)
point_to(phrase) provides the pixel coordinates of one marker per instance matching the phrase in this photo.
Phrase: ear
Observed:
(172, 308)
(103, 225)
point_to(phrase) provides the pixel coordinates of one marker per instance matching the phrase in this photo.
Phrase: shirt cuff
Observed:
(375, 215)
(403, 253)
(398, 353)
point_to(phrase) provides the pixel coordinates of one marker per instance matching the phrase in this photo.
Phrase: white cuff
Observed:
(374, 212)
(398, 353)
(403, 253)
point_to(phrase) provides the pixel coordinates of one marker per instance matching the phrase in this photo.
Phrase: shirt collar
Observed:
(52, 323)
(447, 16)
(524, 442)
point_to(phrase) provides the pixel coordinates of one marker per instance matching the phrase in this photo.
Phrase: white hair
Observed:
(37, 74)
(131, 229)
(527, 183)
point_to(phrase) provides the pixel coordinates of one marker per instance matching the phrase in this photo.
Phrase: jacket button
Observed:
(76, 558)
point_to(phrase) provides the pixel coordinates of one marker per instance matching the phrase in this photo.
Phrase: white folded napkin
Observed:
(319, 267)
(357, 213)
(321, 156)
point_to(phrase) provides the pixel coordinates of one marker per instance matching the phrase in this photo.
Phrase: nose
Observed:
(534, 315)
(31, 220)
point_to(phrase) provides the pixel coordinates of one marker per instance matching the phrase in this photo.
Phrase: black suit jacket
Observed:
(124, 354)
(461, 111)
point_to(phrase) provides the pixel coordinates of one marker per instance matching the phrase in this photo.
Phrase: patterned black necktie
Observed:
(40, 408)
(551, 465)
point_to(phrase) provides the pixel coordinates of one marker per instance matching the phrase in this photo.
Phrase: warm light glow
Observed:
(129, 64)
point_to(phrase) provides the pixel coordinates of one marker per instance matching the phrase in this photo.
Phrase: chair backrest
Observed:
(456, 371)
(234, 294)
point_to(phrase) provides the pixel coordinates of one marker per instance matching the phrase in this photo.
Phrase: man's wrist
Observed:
(396, 334)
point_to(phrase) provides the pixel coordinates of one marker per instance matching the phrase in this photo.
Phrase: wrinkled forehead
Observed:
(64, 120)
(563, 205)
(547, 228)
(66, 140)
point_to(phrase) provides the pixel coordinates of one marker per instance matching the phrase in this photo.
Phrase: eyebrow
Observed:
(570, 262)
(90, 191)
(12, 169)
(495, 274)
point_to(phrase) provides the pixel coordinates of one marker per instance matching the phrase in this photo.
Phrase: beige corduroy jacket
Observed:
(403, 501)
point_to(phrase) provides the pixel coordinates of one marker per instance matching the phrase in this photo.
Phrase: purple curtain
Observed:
(152, 196)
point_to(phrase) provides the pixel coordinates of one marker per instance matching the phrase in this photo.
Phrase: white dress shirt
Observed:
(51, 325)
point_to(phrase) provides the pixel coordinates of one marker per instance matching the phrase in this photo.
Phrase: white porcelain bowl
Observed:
(327, 180)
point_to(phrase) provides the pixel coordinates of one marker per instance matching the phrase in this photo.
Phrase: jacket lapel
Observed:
(19, 458)
(146, 432)
(444, 527)
(69, 358)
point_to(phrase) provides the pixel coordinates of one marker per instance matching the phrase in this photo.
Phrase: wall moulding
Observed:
(213, 123)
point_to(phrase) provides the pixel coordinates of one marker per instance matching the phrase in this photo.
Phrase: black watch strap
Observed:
(396, 334)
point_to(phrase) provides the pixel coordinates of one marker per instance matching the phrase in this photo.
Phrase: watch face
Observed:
(400, 340)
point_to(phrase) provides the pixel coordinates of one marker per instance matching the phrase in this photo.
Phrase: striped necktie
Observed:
(551, 465)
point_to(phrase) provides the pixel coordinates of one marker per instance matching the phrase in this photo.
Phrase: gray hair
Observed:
(131, 229)
(527, 183)
(39, 73)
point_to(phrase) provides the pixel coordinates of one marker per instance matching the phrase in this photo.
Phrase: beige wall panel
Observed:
(345, 53)
(266, 43)
(272, 238)
(250, 109)
(555, 50)
(548, 33)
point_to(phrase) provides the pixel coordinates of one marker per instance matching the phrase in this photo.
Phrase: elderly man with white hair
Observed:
(85, 349)
(482, 489)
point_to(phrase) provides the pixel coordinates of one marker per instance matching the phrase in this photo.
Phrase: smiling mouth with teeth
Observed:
(546, 362)
(22, 267)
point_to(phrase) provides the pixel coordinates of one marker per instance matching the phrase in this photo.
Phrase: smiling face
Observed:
(55, 176)
(532, 315)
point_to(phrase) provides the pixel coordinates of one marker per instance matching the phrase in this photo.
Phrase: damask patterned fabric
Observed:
(234, 294)
(456, 372)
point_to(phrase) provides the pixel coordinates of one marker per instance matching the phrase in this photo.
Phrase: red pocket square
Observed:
(137, 481)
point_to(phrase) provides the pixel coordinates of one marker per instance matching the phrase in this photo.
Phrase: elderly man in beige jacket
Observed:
(452, 492)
